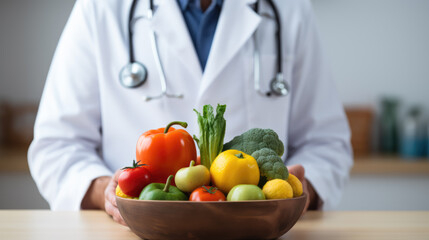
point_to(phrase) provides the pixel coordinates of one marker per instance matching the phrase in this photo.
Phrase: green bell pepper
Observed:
(161, 191)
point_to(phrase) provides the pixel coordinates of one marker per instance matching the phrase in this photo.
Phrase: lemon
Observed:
(296, 185)
(121, 194)
(277, 189)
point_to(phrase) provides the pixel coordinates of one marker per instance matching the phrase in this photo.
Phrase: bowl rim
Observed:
(304, 195)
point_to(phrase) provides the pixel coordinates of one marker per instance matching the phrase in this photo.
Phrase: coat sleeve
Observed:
(64, 156)
(319, 135)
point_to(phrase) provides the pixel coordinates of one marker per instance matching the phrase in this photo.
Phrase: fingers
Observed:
(110, 200)
(298, 171)
(116, 176)
(306, 191)
(110, 193)
(114, 213)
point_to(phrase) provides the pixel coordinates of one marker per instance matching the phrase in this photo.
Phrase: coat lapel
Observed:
(237, 23)
(169, 25)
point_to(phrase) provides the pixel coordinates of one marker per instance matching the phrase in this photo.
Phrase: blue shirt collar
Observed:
(184, 3)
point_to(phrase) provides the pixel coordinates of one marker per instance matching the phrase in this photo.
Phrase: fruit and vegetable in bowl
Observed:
(161, 191)
(206, 193)
(233, 167)
(165, 151)
(245, 192)
(250, 161)
(247, 171)
(133, 179)
(192, 177)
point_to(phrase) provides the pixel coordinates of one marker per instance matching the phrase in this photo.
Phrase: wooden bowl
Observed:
(264, 219)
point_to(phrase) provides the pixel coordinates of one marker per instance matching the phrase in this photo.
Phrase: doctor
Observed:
(195, 53)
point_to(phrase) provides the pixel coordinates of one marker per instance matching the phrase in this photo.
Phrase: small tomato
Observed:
(207, 193)
(133, 179)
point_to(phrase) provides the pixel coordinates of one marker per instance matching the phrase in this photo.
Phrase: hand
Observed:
(299, 172)
(101, 195)
(110, 200)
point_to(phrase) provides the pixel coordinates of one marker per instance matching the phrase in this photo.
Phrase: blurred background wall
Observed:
(375, 48)
(30, 30)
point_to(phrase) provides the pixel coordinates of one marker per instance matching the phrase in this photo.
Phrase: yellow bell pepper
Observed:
(121, 194)
(233, 167)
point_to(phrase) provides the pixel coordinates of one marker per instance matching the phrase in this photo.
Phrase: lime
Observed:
(245, 192)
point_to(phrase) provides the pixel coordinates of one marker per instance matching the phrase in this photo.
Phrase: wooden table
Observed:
(41, 224)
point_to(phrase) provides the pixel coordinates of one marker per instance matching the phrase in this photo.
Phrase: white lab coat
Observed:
(88, 124)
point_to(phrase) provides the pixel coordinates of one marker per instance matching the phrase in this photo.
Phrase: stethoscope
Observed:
(134, 74)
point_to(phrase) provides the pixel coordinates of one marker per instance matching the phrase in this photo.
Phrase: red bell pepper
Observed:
(165, 151)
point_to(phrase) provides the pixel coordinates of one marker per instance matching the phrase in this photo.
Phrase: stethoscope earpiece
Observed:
(133, 75)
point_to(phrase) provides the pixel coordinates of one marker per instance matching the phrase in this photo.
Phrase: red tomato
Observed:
(207, 193)
(133, 179)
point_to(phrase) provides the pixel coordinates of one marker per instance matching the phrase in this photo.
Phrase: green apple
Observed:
(244, 192)
(189, 178)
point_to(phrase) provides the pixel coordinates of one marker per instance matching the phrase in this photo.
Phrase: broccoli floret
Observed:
(270, 165)
(265, 146)
(256, 139)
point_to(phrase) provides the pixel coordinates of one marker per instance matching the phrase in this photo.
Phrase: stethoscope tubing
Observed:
(278, 86)
(131, 31)
(159, 67)
(278, 35)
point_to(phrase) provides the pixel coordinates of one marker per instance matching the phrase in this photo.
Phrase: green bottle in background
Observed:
(427, 139)
(412, 134)
(389, 125)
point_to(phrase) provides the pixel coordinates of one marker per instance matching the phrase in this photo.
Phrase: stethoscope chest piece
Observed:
(279, 86)
(133, 75)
